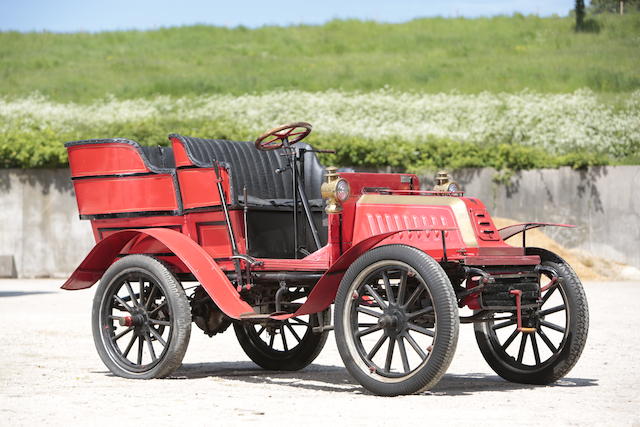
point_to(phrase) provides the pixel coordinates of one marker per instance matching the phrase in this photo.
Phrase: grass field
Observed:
(501, 54)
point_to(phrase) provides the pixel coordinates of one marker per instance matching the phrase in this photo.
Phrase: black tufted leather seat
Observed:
(159, 157)
(256, 170)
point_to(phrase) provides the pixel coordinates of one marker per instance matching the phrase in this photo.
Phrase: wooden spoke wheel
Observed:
(276, 137)
(141, 319)
(282, 346)
(396, 320)
(560, 324)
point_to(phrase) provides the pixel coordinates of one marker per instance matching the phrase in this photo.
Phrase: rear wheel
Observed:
(141, 319)
(561, 324)
(282, 346)
(396, 320)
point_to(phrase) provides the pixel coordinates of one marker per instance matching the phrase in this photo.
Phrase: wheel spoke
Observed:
(140, 349)
(141, 297)
(390, 349)
(504, 324)
(152, 352)
(420, 329)
(284, 339)
(523, 344)
(122, 303)
(155, 310)
(534, 344)
(150, 296)
(419, 313)
(131, 294)
(415, 346)
(402, 287)
(547, 341)
(375, 296)
(272, 339)
(368, 331)
(297, 321)
(414, 295)
(387, 288)
(547, 295)
(293, 332)
(509, 340)
(552, 326)
(403, 355)
(368, 311)
(123, 333)
(261, 330)
(160, 322)
(552, 310)
(157, 336)
(128, 349)
(377, 346)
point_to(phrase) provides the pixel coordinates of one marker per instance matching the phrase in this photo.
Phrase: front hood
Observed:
(379, 213)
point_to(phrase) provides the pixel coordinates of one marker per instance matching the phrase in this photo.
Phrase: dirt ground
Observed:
(50, 373)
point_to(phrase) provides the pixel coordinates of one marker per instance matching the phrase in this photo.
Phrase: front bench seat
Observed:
(255, 169)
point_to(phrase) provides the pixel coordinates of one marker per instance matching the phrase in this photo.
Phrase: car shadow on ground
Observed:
(22, 293)
(336, 379)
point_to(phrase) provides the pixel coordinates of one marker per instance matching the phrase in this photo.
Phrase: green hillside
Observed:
(501, 54)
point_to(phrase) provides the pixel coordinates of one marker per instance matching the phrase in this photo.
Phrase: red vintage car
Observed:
(260, 236)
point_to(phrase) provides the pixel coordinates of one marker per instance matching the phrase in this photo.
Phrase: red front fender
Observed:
(324, 292)
(512, 230)
(199, 262)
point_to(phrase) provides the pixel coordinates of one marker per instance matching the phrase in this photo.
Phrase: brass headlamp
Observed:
(444, 183)
(335, 190)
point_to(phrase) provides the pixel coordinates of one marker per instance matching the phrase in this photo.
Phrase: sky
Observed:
(109, 15)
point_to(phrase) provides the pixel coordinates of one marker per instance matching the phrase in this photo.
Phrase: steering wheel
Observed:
(276, 137)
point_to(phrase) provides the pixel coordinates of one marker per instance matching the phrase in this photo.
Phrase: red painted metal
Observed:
(191, 235)
(501, 260)
(357, 183)
(105, 159)
(126, 194)
(196, 259)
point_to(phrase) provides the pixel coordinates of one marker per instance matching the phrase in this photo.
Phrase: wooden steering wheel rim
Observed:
(280, 133)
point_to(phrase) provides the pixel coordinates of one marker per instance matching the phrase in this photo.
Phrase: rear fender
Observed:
(197, 260)
(324, 292)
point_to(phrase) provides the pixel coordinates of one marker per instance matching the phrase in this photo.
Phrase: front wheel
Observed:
(141, 319)
(560, 327)
(396, 320)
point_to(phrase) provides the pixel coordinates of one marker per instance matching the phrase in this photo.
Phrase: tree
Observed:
(579, 15)
(614, 6)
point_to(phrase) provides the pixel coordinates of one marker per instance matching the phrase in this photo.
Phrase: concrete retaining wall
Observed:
(40, 232)
(41, 235)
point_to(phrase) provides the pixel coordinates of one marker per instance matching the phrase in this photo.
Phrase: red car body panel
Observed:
(175, 214)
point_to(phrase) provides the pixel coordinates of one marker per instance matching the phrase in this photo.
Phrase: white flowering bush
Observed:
(556, 123)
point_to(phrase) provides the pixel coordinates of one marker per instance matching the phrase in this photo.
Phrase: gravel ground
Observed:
(51, 373)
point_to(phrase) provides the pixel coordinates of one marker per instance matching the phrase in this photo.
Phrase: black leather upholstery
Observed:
(160, 157)
(255, 169)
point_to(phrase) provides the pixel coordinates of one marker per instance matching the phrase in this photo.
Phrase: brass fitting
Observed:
(328, 190)
(444, 183)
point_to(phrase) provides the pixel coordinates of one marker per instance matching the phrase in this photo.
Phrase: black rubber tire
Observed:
(571, 346)
(178, 304)
(271, 359)
(443, 298)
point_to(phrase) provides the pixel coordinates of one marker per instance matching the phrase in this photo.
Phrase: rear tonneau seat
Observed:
(119, 177)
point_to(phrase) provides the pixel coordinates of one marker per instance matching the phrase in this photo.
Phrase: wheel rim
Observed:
(282, 338)
(536, 350)
(391, 322)
(136, 321)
